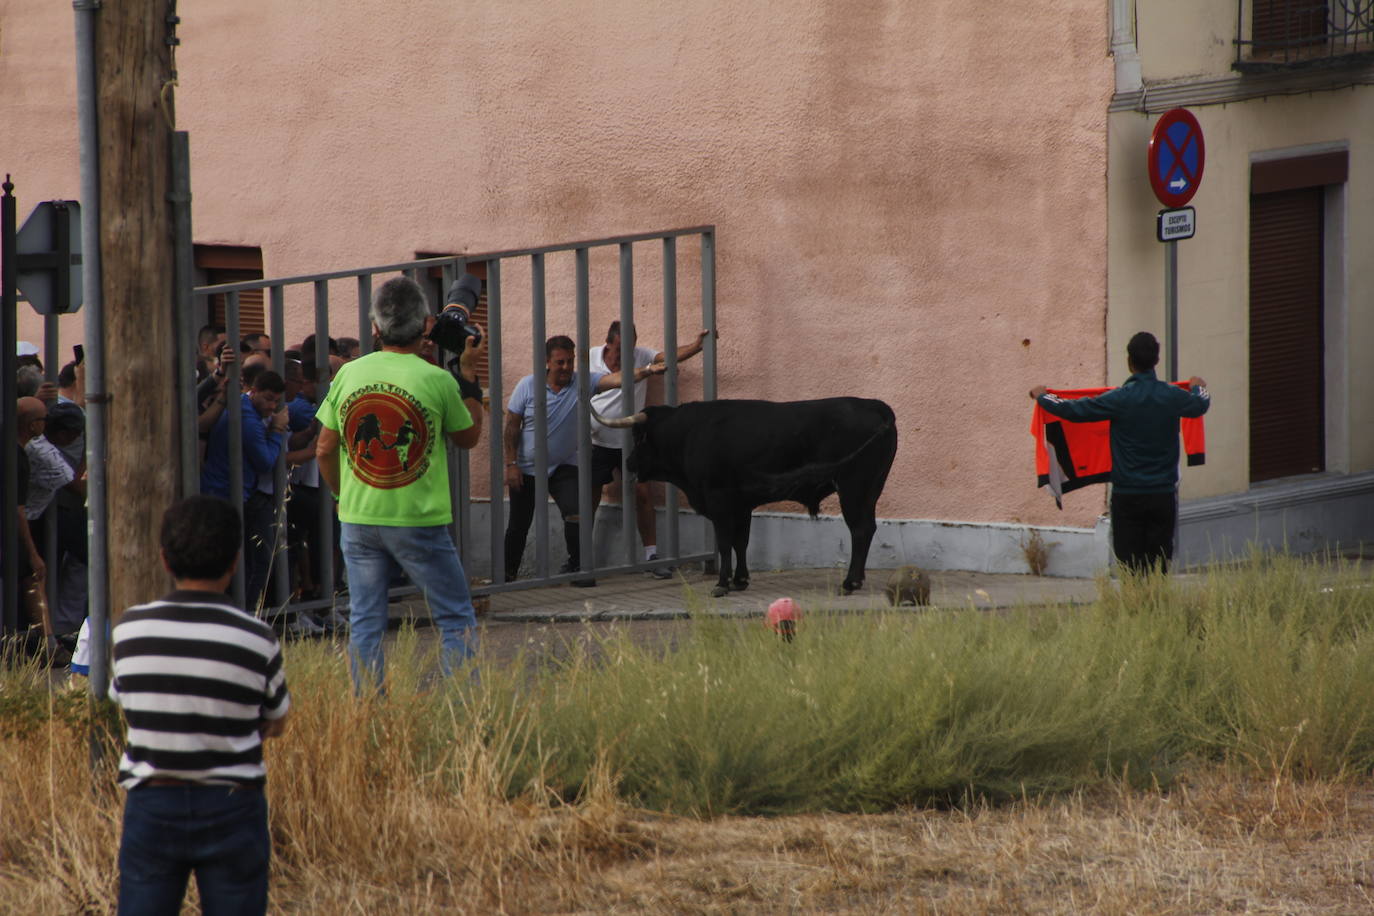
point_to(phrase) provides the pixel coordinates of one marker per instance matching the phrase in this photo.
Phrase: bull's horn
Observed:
(618, 422)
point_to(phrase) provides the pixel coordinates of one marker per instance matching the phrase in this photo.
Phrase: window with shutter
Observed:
(217, 264)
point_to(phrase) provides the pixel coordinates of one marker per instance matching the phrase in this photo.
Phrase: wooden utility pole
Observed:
(135, 74)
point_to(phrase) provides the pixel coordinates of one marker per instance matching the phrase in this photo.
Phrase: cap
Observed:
(24, 348)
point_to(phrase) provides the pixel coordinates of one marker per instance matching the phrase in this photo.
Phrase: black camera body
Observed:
(454, 326)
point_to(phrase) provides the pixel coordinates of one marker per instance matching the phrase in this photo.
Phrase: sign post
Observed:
(1176, 157)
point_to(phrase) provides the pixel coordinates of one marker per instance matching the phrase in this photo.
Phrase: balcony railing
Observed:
(1274, 35)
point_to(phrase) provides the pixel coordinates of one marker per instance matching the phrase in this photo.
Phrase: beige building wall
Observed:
(910, 199)
(1186, 47)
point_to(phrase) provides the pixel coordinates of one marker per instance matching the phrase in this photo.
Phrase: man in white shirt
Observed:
(606, 442)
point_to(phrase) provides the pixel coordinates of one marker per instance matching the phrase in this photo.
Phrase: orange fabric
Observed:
(1090, 443)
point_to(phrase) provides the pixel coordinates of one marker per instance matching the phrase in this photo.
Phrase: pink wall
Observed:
(910, 199)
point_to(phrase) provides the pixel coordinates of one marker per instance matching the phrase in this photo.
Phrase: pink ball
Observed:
(784, 609)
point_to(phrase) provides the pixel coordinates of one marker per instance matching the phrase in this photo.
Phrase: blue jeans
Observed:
(218, 832)
(373, 554)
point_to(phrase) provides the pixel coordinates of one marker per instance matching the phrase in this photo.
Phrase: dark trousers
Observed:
(218, 832)
(305, 540)
(259, 538)
(563, 489)
(1143, 529)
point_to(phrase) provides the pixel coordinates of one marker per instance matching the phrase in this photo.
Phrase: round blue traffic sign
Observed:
(1176, 157)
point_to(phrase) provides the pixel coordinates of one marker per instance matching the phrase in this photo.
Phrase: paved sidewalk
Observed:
(636, 596)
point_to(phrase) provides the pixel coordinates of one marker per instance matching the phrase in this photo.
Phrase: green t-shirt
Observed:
(392, 412)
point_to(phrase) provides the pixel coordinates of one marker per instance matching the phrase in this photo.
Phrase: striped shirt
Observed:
(197, 678)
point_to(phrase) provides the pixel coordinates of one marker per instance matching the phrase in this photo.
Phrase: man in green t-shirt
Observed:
(388, 414)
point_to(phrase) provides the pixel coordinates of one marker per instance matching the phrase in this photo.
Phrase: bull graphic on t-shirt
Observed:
(390, 435)
(402, 442)
(369, 430)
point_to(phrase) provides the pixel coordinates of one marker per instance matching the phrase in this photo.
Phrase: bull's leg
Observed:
(860, 515)
(742, 520)
(725, 541)
(859, 490)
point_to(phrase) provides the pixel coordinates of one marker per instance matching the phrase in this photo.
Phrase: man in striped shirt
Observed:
(201, 685)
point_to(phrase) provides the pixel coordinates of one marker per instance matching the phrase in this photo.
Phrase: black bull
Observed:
(729, 457)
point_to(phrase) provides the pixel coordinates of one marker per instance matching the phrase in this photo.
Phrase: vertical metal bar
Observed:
(97, 520)
(9, 332)
(233, 404)
(628, 341)
(281, 572)
(496, 416)
(186, 324)
(585, 529)
(49, 545)
(1171, 307)
(364, 315)
(541, 418)
(708, 321)
(668, 545)
(708, 314)
(323, 373)
(457, 465)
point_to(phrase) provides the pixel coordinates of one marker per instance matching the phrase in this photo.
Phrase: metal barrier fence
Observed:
(279, 590)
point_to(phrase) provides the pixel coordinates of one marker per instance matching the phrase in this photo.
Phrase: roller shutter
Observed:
(1287, 420)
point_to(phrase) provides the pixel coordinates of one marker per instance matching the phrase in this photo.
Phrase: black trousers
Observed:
(1143, 529)
(259, 539)
(563, 489)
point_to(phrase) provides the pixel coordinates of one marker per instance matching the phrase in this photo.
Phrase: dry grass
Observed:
(447, 797)
(359, 829)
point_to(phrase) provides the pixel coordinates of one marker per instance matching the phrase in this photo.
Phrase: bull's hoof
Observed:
(739, 585)
(852, 585)
(720, 591)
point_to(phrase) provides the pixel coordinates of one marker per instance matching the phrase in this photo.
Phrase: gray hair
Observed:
(26, 381)
(399, 311)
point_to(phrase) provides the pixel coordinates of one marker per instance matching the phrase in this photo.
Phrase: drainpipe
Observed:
(96, 399)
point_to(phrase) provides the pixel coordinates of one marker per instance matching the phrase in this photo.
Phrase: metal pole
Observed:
(280, 582)
(97, 520)
(233, 405)
(9, 331)
(49, 545)
(1171, 307)
(541, 419)
(668, 546)
(323, 373)
(585, 532)
(495, 420)
(708, 315)
(628, 339)
(186, 324)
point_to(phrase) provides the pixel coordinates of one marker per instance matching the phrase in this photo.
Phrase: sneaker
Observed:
(334, 621)
(660, 572)
(303, 627)
(568, 567)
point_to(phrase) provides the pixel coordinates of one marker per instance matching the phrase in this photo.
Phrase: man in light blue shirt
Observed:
(560, 391)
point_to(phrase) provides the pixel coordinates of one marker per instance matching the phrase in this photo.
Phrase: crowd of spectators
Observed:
(278, 413)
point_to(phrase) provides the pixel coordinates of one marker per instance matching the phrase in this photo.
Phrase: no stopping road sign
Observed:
(1177, 155)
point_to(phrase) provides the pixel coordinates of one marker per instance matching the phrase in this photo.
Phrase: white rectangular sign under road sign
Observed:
(1173, 225)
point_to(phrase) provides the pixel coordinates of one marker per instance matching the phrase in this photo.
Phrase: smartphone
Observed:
(79, 353)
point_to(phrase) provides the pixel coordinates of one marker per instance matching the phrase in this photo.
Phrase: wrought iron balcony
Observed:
(1303, 34)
